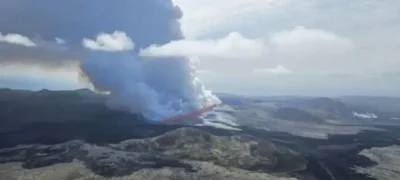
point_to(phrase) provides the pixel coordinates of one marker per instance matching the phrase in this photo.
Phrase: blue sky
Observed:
(256, 47)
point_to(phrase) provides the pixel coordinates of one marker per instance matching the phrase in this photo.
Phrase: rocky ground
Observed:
(77, 171)
(184, 153)
(73, 135)
(388, 162)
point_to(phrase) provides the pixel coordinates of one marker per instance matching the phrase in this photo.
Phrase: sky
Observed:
(251, 47)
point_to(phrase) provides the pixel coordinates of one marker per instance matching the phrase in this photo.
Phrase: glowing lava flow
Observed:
(191, 114)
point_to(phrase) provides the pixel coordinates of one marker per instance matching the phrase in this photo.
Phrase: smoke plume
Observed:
(106, 37)
(158, 88)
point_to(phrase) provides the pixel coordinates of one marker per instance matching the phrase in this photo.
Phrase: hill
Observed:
(294, 114)
(21, 107)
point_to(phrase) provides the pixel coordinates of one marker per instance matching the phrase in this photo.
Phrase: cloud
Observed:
(117, 41)
(371, 27)
(302, 41)
(234, 45)
(299, 41)
(19, 49)
(59, 40)
(203, 71)
(72, 22)
(16, 39)
(279, 69)
(365, 115)
(114, 32)
(208, 16)
(44, 54)
(157, 87)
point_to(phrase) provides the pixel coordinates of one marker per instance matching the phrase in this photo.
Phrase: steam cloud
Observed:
(156, 87)
(113, 33)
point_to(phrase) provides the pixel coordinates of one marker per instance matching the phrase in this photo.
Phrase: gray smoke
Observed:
(156, 87)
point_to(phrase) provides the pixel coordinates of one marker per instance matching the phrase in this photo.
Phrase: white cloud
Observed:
(279, 69)
(117, 41)
(307, 41)
(205, 16)
(297, 42)
(27, 50)
(16, 39)
(365, 115)
(350, 45)
(60, 41)
(234, 45)
(203, 71)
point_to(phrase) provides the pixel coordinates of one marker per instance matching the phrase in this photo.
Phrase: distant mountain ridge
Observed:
(294, 114)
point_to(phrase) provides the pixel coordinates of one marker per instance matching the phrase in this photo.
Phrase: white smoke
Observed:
(365, 116)
(158, 88)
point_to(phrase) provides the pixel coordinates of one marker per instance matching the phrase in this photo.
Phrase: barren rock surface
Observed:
(185, 153)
